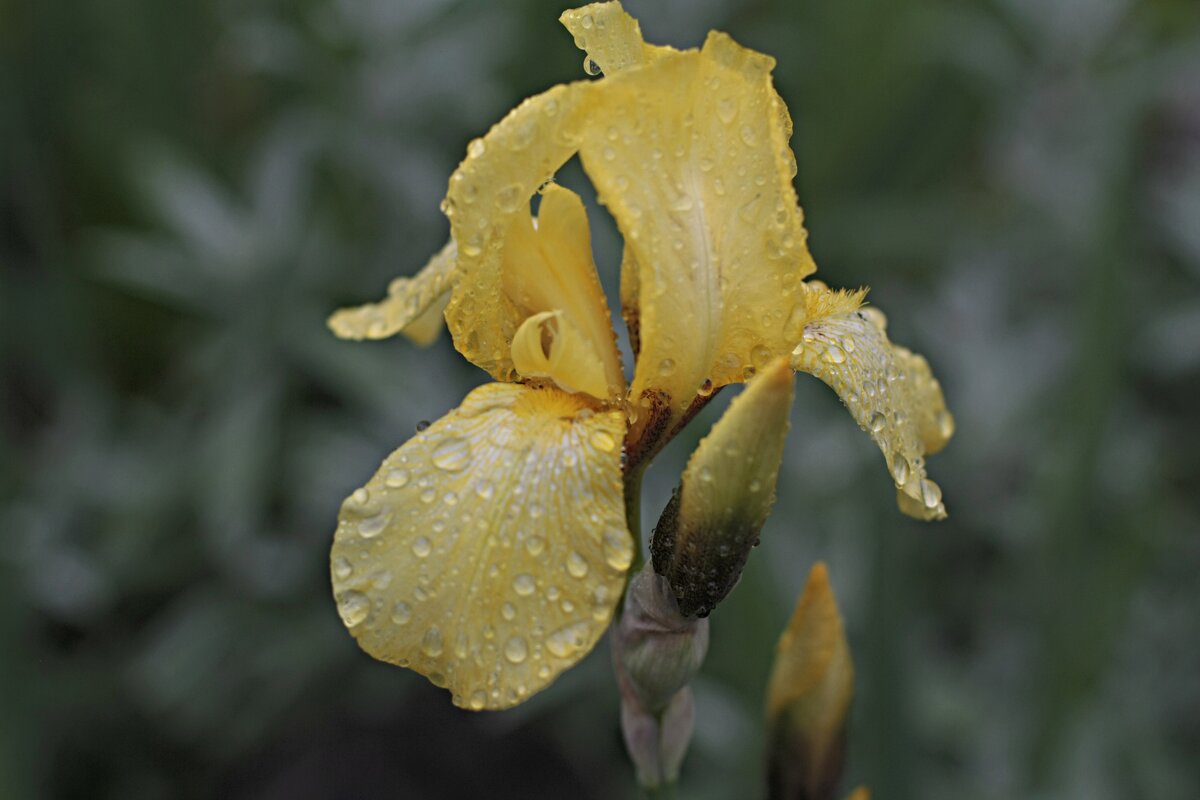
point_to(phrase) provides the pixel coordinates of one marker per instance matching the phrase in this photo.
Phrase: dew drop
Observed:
(401, 613)
(452, 455)
(618, 550)
(603, 441)
(508, 199)
(878, 421)
(534, 545)
(666, 366)
(834, 354)
(727, 109)
(360, 497)
(749, 137)
(397, 478)
(536, 510)
(428, 495)
(484, 490)
(523, 584)
(760, 356)
(577, 565)
(755, 486)
(342, 568)
(371, 527)
(515, 650)
(945, 424)
(899, 468)
(706, 474)
(477, 700)
(931, 494)
(706, 388)
(431, 642)
(508, 611)
(476, 148)
(354, 607)
(421, 547)
(568, 640)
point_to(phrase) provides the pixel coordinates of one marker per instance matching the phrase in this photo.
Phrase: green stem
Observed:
(665, 791)
(633, 514)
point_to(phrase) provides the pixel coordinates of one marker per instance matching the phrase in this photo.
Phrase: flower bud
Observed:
(808, 699)
(704, 536)
(656, 653)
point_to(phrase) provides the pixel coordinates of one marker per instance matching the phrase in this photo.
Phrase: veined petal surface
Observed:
(690, 154)
(413, 305)
(889, 390)
(489, 551)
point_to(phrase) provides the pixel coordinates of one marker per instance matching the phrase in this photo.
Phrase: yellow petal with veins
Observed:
(489, 551)
(413, 306)
(889, 390)
(690, 154)
(547, 345)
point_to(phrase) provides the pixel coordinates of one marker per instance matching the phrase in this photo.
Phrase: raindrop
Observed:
(727, 109)
(523, 584)
(590, 66)
(577, 566)
(931, 494)
(568, 640)
(431, 642)
(484, 490)
(749, 137)
(371, 527)
(618, 551)
(536, 511)
(452, 455)
(477, 700)
(899, 468)
(515, 650)
(666, 366)
(397, 478)
(706, 474)
(476, 148)
(878, 420)
(401, 613)
(508, 611)
(354, 608)
(422, 547)
(534, 545)
(603, 441)
(508, 199)
(945, 424)
(835, 354)
(706, 388)
(360, 497)
(428, 495)
(760, 356)
(342, 568)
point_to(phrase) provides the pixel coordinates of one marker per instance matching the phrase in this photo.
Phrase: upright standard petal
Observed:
(413, 306)
(889, 390)
(489, 551)
(690, 154)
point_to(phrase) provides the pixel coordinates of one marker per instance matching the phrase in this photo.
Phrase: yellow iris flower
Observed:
(489, 552)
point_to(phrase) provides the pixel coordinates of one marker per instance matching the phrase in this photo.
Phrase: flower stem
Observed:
(633, 514)
(664, 791)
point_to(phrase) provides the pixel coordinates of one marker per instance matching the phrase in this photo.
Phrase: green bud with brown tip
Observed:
(705, 534)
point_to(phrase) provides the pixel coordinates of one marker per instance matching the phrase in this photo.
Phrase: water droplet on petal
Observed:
(899, 468)
(401, 613)
(428, 495)
(524, 584)
(878, 421)
(371, 527)
(760, 356)
(452, 455)
(618, 549)
(706, 388)
(603, 441)
(727, 109)
(577, 565)
(397, 478)
(534, 545)
(508, 611)
(835, 354)
(568, 640)
(354, 607)
(477, 700)
(666, 366)
(590, 66)
(476, 148)
(422, 547)
(342, 568)
(484, 490)
(931, 494)
(515, 650)
(431, 642)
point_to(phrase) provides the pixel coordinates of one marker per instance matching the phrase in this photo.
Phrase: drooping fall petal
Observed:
(489, 551)
(413, 306)
(889, 390)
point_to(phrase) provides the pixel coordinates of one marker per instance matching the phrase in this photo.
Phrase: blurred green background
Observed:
(188, 189)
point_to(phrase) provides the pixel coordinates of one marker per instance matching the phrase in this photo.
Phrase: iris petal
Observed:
(889, 390)
(489, 551)
(413, 306)
(690, 154)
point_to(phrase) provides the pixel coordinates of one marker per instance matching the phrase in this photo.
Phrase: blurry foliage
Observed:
(186, 190)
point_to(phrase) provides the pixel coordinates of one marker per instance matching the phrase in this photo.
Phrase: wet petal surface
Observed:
(489, 551)
(889, 390)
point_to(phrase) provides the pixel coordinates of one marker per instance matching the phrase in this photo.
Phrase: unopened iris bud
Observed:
(704, 536)
(808, 699)
(656, 653)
